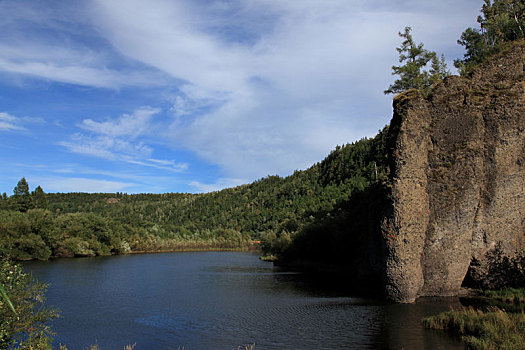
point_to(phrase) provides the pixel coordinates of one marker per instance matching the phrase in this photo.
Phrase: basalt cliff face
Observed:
(458, 179)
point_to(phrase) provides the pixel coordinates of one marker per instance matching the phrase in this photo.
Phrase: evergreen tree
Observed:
(39, 198)
(438, 69)
(412, 74)
(3, 201)
(21, 199)
(22, 188)
(501, 21)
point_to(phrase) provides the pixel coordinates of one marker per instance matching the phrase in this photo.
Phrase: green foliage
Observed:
(493, 329)
(39, 199)
(7, 301)
(21, 199)
(27, 328)
(273, 209)
(339, 234)
(501, 21)
(22, 188)
(507, 295)
(414, 59)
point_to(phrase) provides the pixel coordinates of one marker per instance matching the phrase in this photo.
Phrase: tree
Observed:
(412, 74)
(438, 69)
(39, 198)
(501, 21)
(22, 188)
(21, 199)
(3, 201)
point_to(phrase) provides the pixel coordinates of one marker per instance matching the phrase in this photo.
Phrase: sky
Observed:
(157, 96)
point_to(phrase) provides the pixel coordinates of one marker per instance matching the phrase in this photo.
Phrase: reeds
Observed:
(507, 295)
(6, 299)
(491, 329)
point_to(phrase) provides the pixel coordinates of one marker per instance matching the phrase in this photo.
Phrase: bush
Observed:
(27, 328)
(29, 247)
(74, 246)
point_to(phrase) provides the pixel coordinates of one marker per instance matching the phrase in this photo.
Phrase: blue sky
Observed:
(198, 95)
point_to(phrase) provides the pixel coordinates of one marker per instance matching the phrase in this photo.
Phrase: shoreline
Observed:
(187, 250)
(253, 248)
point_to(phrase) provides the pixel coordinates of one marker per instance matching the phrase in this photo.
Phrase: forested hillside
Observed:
(272, 209)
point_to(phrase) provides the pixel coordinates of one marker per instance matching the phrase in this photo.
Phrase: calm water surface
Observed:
(221, 300)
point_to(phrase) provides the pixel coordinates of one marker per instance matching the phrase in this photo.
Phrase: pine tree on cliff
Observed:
(414, 59)
(501, 21)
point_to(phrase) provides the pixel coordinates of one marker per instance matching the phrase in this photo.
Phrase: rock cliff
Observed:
(458, 179)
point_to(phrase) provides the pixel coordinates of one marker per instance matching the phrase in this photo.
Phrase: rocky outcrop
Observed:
(458, 179)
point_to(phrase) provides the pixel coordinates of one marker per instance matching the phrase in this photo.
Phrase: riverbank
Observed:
(497, 321)
(190, 249)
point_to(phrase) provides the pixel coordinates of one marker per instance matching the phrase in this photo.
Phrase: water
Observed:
(221, 300)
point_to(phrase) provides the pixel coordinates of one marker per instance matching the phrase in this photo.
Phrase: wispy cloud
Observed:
(55, 41)
(106, 147)
(9, 122)
(127, 125)
(118, 139)
(170, 165)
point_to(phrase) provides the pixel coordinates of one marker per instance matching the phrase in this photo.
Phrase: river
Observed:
(221, 300)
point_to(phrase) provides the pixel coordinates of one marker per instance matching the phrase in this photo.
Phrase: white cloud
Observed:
(168, 165)
(115, 139)
(118, 139)
(68, 74)
(161, 34)
(262, 86)
(54, 41)
(9, 122)
(292, 80)
(106, 147)
(127, 125)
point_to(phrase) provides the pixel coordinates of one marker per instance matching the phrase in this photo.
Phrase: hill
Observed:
(82, 224)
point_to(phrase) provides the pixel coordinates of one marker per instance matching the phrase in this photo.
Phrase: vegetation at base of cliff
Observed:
(25, 328)
(38, 225)
(507, 295)
(498, 322)
(492, 329)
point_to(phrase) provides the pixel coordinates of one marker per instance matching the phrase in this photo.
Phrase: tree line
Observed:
(36, 225)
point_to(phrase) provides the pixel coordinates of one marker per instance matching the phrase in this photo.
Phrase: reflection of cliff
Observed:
(458, 178)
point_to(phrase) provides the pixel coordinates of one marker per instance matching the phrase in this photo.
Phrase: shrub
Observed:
(27, 328)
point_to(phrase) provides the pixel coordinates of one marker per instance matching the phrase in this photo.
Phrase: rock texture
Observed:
(458, 178)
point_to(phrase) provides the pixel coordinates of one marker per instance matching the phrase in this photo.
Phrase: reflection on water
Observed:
(221, 300)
